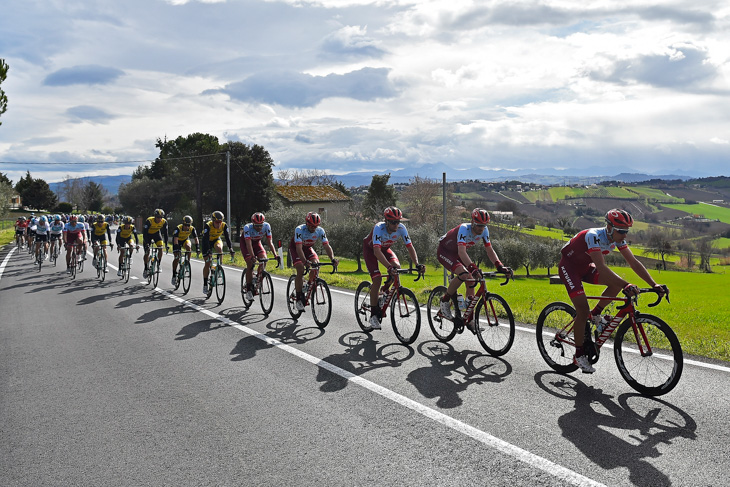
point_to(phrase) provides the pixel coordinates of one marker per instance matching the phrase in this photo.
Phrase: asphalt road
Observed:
(120, 384)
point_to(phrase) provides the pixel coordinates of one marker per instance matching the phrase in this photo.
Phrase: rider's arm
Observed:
(380, 256)
(271, 246)
(637, 266)
(109, 233)
(412, 253)
(300, 251)
(164, 233)
(463, 255)
(328, 249)
(228, 238)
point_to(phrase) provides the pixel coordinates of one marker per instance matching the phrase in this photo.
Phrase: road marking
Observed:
(488, 440)
(5, 261)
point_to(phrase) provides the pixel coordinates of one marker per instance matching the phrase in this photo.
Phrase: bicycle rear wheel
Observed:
(246, 302)
(321, 303)
(156, 274)
(443, 329)
(495, 324)
(291, 298)
(405, 316)
(186, 276)
(220, 284)
(554, 336)
(151, 269)
(362, 306)
(266, 293)
(654, 365)
(102, 265)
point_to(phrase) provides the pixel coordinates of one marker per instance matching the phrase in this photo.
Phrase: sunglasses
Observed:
(622, 232)
(258, 227)
(393, 222)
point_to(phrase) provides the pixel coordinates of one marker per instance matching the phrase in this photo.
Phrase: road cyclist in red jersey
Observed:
(452, 254)
(376, 250)
(583, 261)
(74, 233)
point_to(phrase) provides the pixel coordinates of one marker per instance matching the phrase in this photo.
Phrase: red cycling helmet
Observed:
(619, 218)
(314, 219)
(392, 213)
(258, 218)
(73, 218)
(480, 216)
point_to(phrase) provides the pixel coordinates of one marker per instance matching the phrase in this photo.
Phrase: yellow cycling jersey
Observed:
(125, 232)
(153, 226)
(100, 229)
(215, 233)
(183, 234)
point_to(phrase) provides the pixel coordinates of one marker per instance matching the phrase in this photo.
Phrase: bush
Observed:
(63, 207)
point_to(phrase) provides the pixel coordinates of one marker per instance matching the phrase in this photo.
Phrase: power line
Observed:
(112, 162)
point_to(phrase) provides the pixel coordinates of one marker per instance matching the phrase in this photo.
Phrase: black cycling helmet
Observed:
(217, 215)
(159, 213)
(187, 220)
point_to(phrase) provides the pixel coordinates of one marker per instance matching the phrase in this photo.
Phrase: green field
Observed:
(709, 211)
(654, 194)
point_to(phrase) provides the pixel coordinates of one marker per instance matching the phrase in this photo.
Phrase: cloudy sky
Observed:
(351, 85)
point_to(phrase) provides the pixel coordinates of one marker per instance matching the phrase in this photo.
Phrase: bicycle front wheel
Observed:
(246, 302)
(651, 359)
(73, 263)
(156, 274)
(321, 304)
(443, 329)
(291, 298)
(266, 293)
(495, 324)
(220, 284)
(151, 270)
(362, 306)
(186, 276)
(102, 266)
(554, 336)
(405, 315)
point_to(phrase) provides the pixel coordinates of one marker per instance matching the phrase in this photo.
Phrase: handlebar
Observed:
(264, 260)
(495, 274)
(320, 264)
(648, 290)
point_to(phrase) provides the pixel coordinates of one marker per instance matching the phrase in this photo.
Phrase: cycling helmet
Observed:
(82, 219)
(392, 213)
(43, 219)
(217, 215)
(22, 218)
(127, 220)
(159, 213)
(619, 218)
(187, 220)
(258, 218)
(109, 219)
(56, 218)
(480, 216)
(73, 218)
(314, 219)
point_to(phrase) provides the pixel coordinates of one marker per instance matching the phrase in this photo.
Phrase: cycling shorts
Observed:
(573, 277)
(100, 239)
(176, 247)
(74, 238)
(207, 245)
(371, 262)
(258, 250)
(448, 258)
(309, 253)
(152, 238)
(121, 242)
(41, 237)
(55, 236)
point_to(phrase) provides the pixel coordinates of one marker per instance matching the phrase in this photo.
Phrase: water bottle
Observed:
(254, 282)
(305, 287)
(381, 300)
(462, 303)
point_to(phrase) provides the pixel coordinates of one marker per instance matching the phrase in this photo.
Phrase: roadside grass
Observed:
(709, 211)
(7, 236)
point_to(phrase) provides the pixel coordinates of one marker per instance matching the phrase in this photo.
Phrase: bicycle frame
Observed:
(313, 275)
(395, 288)
(479, 295)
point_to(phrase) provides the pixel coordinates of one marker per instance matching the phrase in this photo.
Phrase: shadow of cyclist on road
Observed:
(621, 433)
(452, 372)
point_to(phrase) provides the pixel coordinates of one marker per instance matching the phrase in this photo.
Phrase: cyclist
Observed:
(87, 234)
(56, 232)
(181, 237)
(251, 246)
(301, 251)
(30, 231)
(20, 226)
(155, 230)
(582, 261)
(211, 238)
(41, 235)
(452, 254)
(99, 230)
(125, 231)
(376, 249)
(74, 233)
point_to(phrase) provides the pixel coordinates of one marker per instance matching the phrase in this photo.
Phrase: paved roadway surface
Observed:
(120, 384)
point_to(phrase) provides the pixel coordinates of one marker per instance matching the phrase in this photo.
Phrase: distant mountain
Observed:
(110, 183)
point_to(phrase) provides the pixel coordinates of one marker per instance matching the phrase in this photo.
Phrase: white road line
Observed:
(516, 452)
(5, 261)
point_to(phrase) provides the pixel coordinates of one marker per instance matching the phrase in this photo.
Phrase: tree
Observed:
(71, 190)
(3, 97)
(660, 243)
(252, 182)
(347, 238)
(422, 201)
(6, 193)
(379, 197)
(704, 249)
(5, 179)
(92, 196)
(35, 193)
(306, 177)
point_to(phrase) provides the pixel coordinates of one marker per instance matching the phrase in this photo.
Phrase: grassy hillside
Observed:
(709, 211)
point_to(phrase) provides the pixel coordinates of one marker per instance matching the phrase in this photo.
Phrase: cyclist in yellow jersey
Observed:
(181, 237)
(101, 234)
(211, 237)
(155, 230)
(125, 232)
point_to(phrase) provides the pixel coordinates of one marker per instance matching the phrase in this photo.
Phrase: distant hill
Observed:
(110, 183)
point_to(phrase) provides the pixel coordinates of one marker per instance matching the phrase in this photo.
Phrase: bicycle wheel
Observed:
(405, 316)
(554, 336)
(362, 306)
(291, 298)
(156, 273)
(220, 284)
(186, 276)
(151, 269)
(266, 293)
(442, 328)
(654, 373)
(74, 264)
(102, 265)
(246, 302)
(495, 324)
(321, 303)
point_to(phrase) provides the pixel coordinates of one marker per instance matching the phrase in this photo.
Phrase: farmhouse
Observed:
(330, 203)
